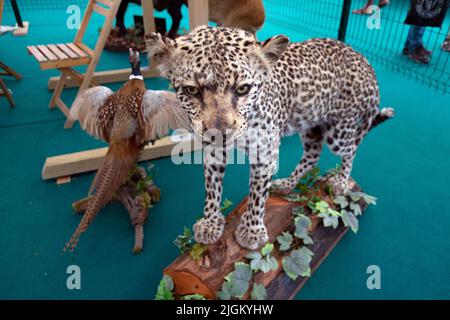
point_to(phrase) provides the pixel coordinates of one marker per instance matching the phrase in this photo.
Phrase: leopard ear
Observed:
(160, 48)
(273, 47)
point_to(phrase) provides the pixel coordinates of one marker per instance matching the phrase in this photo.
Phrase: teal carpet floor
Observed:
(405, 163)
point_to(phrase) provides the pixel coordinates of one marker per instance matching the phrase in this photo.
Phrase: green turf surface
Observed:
(404, 162)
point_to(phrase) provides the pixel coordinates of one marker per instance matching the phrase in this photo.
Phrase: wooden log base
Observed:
(135, 200)
(206, 275)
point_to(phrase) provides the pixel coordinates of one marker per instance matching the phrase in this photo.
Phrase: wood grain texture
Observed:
(90, 160)
(206, 275)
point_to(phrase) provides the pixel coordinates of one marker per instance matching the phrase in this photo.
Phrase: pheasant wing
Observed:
(86, 110)
(161, 112)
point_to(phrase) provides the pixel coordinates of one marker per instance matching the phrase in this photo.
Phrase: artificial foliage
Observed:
(316, 203)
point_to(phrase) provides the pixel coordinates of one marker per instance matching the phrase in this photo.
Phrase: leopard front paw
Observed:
(251, 237)
(283, 186)
(209, 230)
(339, 184)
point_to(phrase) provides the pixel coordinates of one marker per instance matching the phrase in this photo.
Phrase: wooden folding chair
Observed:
(4, 91)
(65, 56)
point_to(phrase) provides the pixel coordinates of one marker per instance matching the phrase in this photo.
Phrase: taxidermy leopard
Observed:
(321, 88)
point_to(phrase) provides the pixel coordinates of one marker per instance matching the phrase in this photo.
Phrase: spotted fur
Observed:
(321, 89)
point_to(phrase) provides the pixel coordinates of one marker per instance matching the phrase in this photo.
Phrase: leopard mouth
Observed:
(222, 140)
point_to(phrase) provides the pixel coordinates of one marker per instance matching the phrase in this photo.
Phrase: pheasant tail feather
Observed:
(109, 178)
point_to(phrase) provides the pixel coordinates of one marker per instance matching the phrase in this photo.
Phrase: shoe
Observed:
(363, 10)
(418, 56)
(422, 49)
(382, 3)
(446, 45)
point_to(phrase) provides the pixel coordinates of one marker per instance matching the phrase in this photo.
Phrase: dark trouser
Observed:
(414, 38)
(172, 6)
(120, 16)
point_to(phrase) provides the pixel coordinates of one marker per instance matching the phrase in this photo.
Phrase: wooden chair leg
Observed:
(7, 94)
(68, 124)
(58, 90)
(10, 71)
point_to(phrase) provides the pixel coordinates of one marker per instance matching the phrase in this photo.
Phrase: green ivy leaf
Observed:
(193, 297)
(258, 292)
(350, 220)
(369, 199)
(237, 282)
(295, 197)
(302, 224)
(341, 201)
(255, 260)
(313, 174)
(285, 241)
(197, 251)
(303, 188)
(356, 196)
(297, 263)
(226, 205)
(267, 249)
(355, 208)
(334, 171)
(329, 220)
(321, 206)
(265, 263)
(165, 288)
(333, 212)
(184, 241)
(253, 255)
(240, 279)
(225, 293)
(329, 190)
(297, 211)
(269, 263)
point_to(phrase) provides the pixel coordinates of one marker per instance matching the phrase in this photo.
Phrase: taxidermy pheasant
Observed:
(127, 120)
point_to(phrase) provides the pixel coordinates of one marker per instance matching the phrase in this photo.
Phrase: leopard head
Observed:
(217, 74)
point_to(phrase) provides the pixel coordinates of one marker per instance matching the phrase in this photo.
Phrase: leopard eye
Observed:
(191, 91)
(243, 90)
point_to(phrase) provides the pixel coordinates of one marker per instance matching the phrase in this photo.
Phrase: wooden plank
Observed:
(68, 63)
(108, 3)
(77, 50)
(9, 71)
(63, 47)
(90, 160)
(47, 53)
(149, 22)
(61, 55)
(95, 55)
(63, 180)
(4, 91)
(62, 106)
(2, 2)
(75, 75)
(198, 13)
(109, 76)
(58, 90)
(101, 10)
(36, 53)
(22, 31)
(85, 48)
(85, 21)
